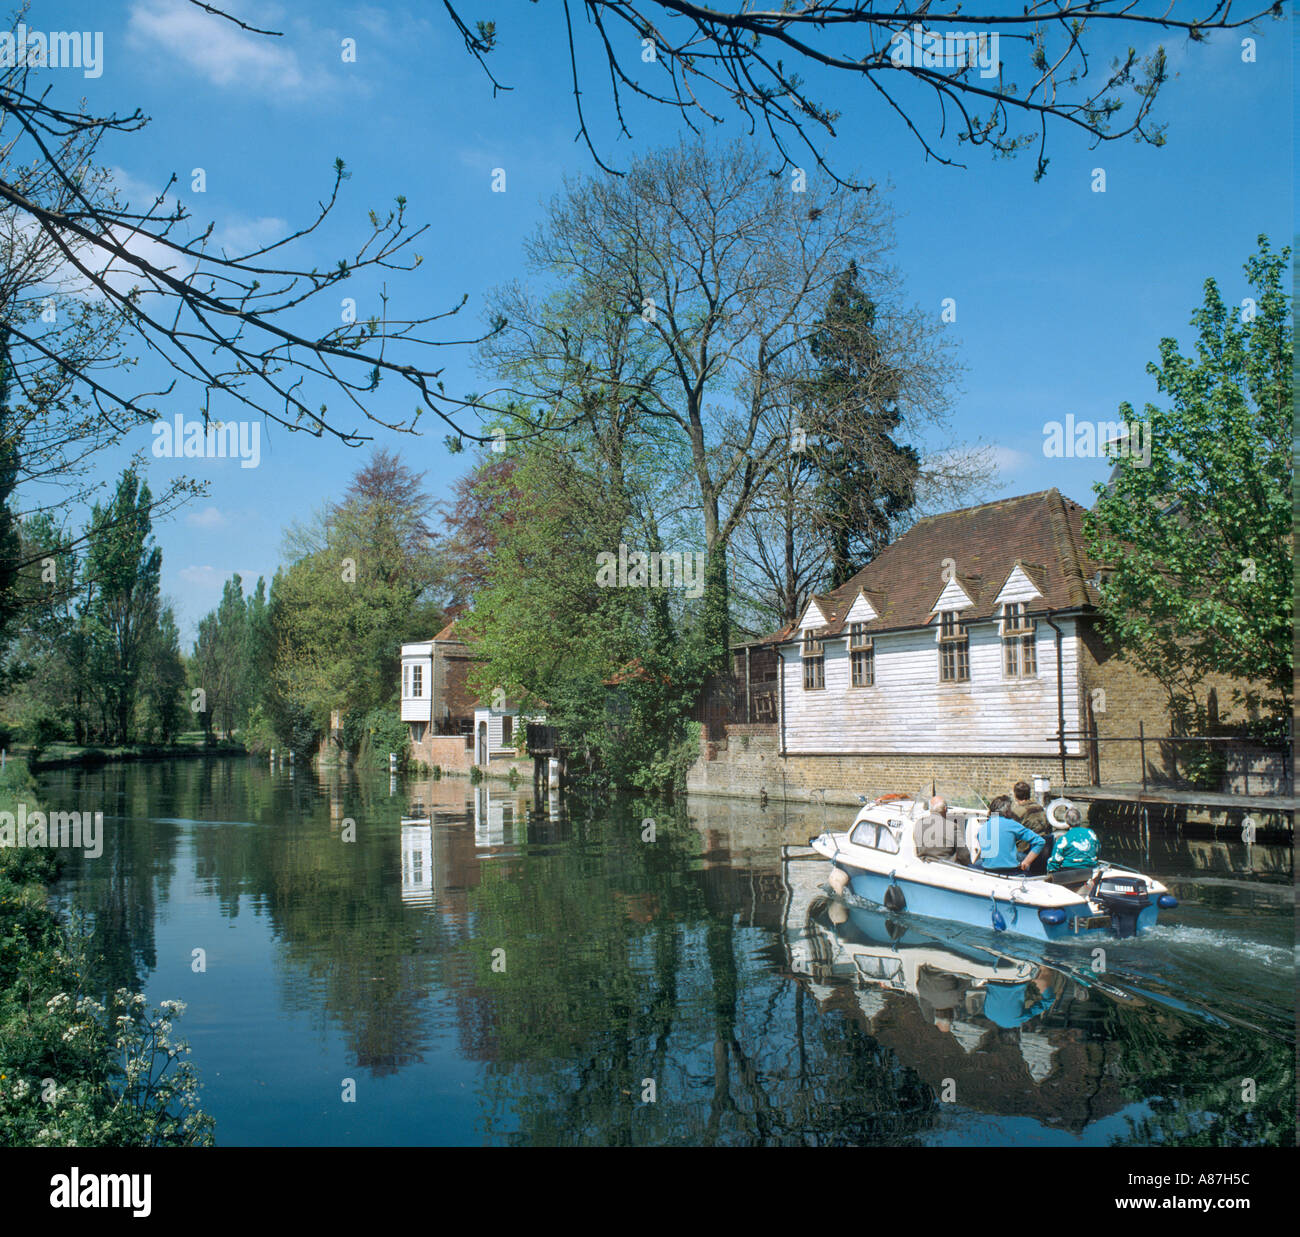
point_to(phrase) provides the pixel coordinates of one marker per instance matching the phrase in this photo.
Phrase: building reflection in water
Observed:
(435, 853)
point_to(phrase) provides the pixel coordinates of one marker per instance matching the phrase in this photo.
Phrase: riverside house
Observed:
(967, 651)
(447, 726)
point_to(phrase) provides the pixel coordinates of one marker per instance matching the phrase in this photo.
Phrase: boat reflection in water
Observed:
(987, 1030)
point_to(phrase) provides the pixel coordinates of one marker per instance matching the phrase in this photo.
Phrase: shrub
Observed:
(383, 731)
(75, 1072)
(259, 733)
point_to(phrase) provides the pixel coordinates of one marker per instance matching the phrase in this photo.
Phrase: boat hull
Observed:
(936, 902)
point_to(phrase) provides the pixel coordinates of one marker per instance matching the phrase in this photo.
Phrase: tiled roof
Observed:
(1042, 532)
(448, 632)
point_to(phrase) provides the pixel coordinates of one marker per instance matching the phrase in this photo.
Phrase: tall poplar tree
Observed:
(123, 568)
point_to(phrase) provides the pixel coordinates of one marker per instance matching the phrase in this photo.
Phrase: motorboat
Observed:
(877, 857)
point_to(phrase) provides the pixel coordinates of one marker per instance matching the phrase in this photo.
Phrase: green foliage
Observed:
(475, 775)
(382, 731)
(1198, 545)
(359, 585)
(122, 609)
(75, 1072)
(863, 480)
(161, 706)
(618, 669)
(259, 732)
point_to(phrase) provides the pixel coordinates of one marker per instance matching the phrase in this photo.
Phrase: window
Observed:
(1019, 660)
(877, 837)
(417, 731)
(954, 649)
(406, 681)
(862, 654)
(507, 732)
(417, 680)
(814, 661)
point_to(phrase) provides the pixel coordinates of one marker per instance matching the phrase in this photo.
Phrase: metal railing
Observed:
(1284, 746)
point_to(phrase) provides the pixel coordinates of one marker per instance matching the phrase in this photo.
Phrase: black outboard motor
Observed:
(1124, 897)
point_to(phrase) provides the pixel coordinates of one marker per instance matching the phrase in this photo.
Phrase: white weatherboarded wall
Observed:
(909, 710)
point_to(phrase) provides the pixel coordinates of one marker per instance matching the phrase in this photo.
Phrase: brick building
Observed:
(967, 651)
(447, 725)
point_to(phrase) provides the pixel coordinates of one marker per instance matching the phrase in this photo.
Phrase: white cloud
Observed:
(1007, 459)
(987, 456)
(217, 49)
(205, 577)
(209, 518)
(240, 235)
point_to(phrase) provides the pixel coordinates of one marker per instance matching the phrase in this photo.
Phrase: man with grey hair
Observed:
(939, 837)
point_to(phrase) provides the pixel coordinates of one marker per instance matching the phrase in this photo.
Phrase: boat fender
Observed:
(894, 900)
(839, 880)
(999, 924)
(1052, 915)
(1166, 901)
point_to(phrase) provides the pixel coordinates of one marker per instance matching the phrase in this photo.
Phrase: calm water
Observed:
(699, 989)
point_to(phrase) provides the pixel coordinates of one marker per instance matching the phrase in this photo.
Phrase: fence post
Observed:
(1142, 753)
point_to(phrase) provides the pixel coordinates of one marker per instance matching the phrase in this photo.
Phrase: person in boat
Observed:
(1077, 848)
(1002, 838)
(1030, 813)
(938, 836)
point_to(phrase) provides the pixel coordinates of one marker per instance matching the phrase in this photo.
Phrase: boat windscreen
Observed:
(954, 792)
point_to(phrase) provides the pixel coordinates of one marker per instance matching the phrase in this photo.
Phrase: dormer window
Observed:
(862, 656)
(814, 661)
(954, 649)
(1019, 659)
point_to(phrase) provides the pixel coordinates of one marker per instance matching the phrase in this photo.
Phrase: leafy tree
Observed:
(363, 579)
(1198, 543)
(616, 669)
(123, 569)
(685, 296)
(162, 681)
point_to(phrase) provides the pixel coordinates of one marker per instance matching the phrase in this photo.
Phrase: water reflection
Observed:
(991, 1031)
(533, 971)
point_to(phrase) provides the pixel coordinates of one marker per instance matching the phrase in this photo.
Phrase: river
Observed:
(385, 962)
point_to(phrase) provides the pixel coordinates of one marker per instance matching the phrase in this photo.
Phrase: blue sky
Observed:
(1062, 293)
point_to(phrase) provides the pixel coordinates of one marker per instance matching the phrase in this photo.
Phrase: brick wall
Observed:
(451, 674)
(746, 762)
(1132, 697)
(447, 751)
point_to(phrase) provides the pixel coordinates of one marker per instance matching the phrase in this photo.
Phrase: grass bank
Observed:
(76, 1070)
(60, 755)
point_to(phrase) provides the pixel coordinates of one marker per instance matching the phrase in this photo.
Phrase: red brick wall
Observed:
(1132, 697)
(741, 768)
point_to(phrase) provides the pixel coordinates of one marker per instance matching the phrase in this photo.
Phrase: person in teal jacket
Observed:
(998, 836)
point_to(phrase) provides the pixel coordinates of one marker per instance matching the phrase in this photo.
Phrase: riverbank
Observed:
(76, 1071)
(65, 755)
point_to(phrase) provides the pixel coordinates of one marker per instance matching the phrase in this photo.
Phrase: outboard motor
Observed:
(1124, 898)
